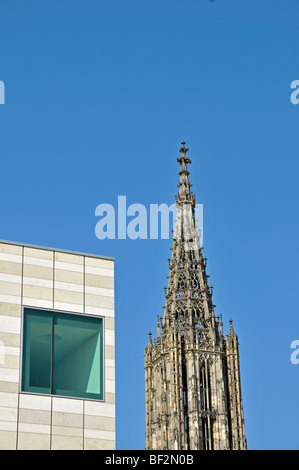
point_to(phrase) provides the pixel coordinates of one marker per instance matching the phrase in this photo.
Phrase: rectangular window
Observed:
(37, 351)
(62, 354)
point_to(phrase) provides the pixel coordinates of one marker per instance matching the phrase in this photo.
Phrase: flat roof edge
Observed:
(59, 250)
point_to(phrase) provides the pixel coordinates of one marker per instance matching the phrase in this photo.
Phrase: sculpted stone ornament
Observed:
(192, 372)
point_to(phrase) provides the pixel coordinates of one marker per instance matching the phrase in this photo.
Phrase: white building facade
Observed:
(57, 350)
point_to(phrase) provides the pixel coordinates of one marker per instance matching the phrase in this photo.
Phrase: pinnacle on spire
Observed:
(158, 326)
(221, 325)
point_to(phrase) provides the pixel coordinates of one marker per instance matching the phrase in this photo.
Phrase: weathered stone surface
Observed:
(192, 374)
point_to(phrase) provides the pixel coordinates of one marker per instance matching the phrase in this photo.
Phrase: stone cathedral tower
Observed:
(192, 372)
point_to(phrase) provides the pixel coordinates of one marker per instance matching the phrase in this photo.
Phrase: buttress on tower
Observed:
(192, 372)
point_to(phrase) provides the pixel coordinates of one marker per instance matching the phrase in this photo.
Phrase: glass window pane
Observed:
(78, 356)
(37, 351)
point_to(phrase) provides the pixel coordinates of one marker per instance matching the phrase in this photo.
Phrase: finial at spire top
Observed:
(183, 159)
(184, 185)
(183, 149)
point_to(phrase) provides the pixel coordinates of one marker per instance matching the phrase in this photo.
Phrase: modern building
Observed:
(192, 371)
(57, 366)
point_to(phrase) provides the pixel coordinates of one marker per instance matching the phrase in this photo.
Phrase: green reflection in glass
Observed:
(78, 357)
(37, 351)
(62, 354)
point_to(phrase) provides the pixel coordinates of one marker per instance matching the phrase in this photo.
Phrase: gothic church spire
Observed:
(193, 393)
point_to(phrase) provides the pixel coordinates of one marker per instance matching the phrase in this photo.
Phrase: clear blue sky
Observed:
(98, 97)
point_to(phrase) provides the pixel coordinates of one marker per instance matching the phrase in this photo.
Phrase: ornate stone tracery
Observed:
(193, 390)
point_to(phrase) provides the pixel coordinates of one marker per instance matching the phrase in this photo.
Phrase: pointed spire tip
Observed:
(183, 149)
